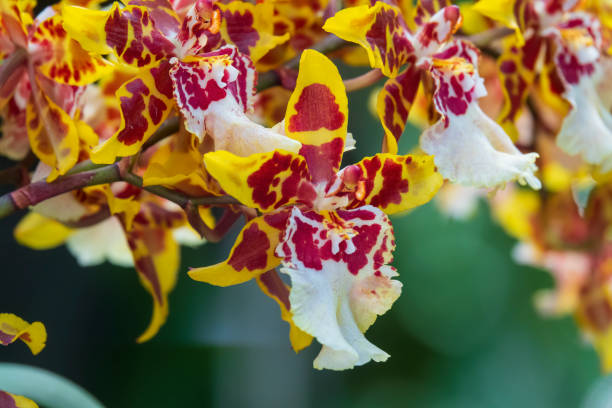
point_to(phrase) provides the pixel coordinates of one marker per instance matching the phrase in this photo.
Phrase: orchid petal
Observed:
(14, 328)
(339, 280)
(317, 115)
(15, 401)
(397, 183)
(265, 181)
(145, 102)
(271, 284)
(379, 30)
(252, 254)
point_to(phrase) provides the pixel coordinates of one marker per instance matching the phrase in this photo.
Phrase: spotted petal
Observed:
(252, 254)
(145, 102)
(264, 181)
(250, 27)
(63, 59)
(394, 103)
(317, 115)
(379, 30)
(340, 280)
(14, 328)
(396, 183)
(129, 33)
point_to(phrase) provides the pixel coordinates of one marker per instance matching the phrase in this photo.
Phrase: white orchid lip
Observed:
(340, 280)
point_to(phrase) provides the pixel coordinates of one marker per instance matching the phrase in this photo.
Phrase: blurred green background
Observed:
(463, 333)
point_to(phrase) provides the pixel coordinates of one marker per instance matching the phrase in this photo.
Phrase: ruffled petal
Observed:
(252, 254)
(469, 147)
(340, 280)
(587, 128)
(272, 285)
(14, 328)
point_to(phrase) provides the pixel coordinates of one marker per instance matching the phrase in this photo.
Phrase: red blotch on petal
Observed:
(251, 252)
(316, 108)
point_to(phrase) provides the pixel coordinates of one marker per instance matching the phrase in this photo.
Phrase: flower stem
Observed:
(363, 81)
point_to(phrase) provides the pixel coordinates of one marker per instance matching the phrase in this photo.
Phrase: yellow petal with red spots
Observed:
(517, 67)
(39, 232)
(65, 60)
(252, 254)
(265, 181)
(130, 33)
(145, 102)
(250, 27)
(156, 258)
(378, 29)
(427, 8)
(317, 114)
(397, 183)
(394, 103)
(14, 328)
(272, 285)
(178, 165)
(8, 400)
(53, 135)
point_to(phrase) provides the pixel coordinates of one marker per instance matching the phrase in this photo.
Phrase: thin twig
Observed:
(363, 81)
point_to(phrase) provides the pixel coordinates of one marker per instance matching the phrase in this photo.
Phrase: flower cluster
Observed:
(141, 117)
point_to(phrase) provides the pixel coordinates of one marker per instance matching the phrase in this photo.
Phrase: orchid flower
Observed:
(213, 89)
(563, 45)
(468, 147)
(325, 226)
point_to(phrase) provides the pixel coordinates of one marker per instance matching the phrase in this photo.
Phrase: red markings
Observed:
(394, 185)
(316, 108)
(190, 92)
(386, 21)
(6, 400)
(132, 109)
(156, 109)
(324, 160)
(146, 268)
(401, 92)
(250, 253)
(306, 249)
(116, 29)
(240, 30)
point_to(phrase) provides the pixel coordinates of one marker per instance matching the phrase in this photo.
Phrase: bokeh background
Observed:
(463, 333)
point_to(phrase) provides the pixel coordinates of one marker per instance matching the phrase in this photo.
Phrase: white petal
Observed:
(587, 129)
(475, 151)
(98, 243)
(340, 281)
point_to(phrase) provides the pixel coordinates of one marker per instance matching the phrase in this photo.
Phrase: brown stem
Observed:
(226, 221)
(363, 81)
(34, 193)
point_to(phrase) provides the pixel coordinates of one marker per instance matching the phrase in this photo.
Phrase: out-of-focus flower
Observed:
(469, 148)
(14, 328)
(40, 97)
(562, 46)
